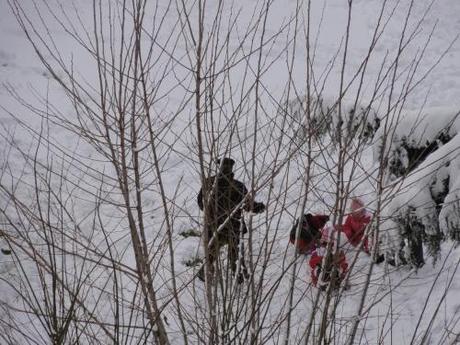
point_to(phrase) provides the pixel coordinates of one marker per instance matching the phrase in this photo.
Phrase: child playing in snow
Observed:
(309, 232)
(312, 239)
(333, 263)
(355, 224)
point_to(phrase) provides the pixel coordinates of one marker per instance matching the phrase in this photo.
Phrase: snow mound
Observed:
(424, 193)
(414, 135)
(321, 116)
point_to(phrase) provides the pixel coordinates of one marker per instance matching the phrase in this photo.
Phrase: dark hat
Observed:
(227, 162)
(317, 221)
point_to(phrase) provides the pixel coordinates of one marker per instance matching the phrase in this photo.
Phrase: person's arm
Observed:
(250, 204)
(346, 227)
(200, 199)
(367, 218)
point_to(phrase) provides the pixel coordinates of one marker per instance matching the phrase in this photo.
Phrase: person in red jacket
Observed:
(355, 224)
(333, 264)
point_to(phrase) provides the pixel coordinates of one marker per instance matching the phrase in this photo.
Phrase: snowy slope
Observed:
(399, 290)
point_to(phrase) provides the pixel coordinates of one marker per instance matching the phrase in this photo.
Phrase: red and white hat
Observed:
(357, 205)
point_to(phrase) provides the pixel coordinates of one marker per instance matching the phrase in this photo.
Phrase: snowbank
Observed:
(425, 149)
(327, 114)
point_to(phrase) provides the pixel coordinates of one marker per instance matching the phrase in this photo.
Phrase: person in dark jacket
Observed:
(225, 198)
(309, 232)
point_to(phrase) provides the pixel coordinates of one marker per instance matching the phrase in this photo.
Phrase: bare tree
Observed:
(94, 206)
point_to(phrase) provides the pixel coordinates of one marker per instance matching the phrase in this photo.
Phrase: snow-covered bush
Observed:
(327, 117)
(415, 135)
(412, 230)
(423, 189)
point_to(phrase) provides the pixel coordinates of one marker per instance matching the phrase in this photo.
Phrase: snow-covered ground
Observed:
(399, 292)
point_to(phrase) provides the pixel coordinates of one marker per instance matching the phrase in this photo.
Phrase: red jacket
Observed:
(303, 247)
(316, 261)
(354, 228)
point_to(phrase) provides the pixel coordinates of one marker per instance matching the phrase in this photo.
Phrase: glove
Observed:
(259, 207)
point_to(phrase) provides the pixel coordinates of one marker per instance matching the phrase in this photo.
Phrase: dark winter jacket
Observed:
(310, 232)
(226, 195)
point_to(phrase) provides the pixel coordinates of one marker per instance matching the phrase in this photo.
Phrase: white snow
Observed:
(428, 109)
